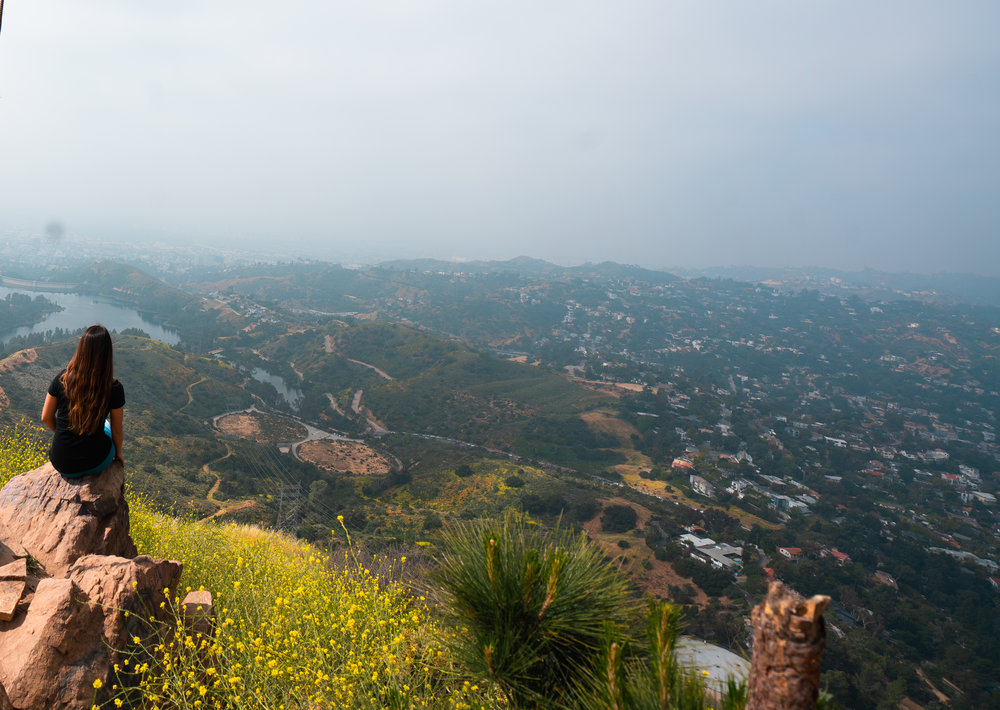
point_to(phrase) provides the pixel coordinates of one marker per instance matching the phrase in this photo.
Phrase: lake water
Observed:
(81, 311)
(292, 395)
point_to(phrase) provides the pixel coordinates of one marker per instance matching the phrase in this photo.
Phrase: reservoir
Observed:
(80, 311)
(292, 395)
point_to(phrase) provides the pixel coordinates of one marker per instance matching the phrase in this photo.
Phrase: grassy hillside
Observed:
(415, 382)
(169, 398)
(235, 471)
(173, 308)
(297, 626)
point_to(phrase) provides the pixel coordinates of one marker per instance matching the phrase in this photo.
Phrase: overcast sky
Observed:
(843, 134)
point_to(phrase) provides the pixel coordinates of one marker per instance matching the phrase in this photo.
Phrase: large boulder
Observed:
(48, 654)
(57, 520)
(80, 594)
(128, 590)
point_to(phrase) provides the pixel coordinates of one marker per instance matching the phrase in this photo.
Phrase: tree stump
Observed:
(788, 639)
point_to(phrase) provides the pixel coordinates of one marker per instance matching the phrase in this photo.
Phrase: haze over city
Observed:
(664, 134)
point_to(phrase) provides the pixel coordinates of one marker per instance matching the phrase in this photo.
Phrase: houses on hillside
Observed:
(721, 555)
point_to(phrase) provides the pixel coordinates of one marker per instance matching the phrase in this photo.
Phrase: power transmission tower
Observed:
(289, 505)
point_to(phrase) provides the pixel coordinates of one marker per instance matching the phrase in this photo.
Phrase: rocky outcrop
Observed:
(57, 520)
(81, 595)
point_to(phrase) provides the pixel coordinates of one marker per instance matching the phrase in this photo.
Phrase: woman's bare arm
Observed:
(116, 432)
(49, 412)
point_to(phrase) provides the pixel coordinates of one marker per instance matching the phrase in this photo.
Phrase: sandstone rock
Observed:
(4, 700)
(118, 585)
(49, 655)
(18, 569)
(94, 596)
(57, 521)
(11, 591)
(198, 611)
(13, 580)
(9, 553)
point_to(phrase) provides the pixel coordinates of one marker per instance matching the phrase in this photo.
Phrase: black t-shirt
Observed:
(71, 452)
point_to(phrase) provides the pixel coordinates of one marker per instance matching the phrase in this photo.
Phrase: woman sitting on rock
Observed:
(79, 400)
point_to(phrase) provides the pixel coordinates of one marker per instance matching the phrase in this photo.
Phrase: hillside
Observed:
(856, 436)
(860, 432)
(372, 637)
(417, 383)
(170, 396)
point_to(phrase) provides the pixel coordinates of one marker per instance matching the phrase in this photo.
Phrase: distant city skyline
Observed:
(669, 135)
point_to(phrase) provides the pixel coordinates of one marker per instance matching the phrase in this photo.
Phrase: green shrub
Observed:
(585, 510)
(536, 605)
(432, 521)
(618, 518)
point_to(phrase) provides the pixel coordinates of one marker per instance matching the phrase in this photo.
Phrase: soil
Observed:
(21, 357)
(346, 457)
(606, 423)
(260, 427)
(245, 426)
(615, 389)
(659, 576)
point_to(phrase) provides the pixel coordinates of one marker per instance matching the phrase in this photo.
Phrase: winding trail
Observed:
(374, 424)
(381, 372)
(224, 509)
(334, 406)
(190, 394)
(328, 346)
(218, 480)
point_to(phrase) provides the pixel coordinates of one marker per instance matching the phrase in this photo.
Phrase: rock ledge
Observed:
(73, 593)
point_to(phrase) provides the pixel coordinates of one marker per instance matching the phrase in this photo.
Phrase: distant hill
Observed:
(522, 265)
(416, 382)
(527, 266)
(156, 299)
(943, 288)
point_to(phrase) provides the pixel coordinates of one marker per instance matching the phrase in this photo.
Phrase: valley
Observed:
(842, 445)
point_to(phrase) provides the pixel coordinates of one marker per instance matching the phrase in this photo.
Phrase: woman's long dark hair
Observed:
(88, 379)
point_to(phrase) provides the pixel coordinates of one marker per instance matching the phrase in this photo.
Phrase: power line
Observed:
(270, 470)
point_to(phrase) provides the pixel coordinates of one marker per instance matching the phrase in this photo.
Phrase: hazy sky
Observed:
(699, 133)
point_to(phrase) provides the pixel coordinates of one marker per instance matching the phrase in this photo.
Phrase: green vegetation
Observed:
(537, 605)
(294, 627)
(618, 518)
(23, 446)
(18, 309)
(776, 397)
(297, 626)
(445, 388)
